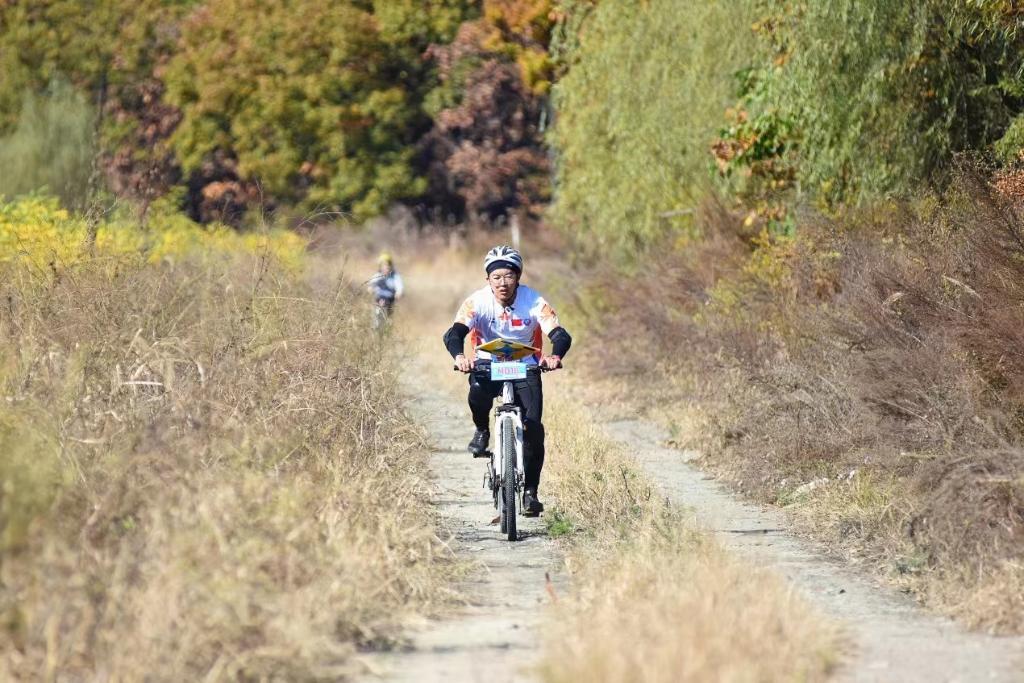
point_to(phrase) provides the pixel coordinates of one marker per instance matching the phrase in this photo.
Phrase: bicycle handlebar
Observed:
(529, 368)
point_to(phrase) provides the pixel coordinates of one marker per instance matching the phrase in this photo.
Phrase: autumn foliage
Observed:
(348, 106)
(485, 154)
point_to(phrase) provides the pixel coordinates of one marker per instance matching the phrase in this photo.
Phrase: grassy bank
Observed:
(654, 599)
(866, 373)
(206, 473)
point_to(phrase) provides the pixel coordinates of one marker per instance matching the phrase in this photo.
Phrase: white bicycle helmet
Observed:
(503, 257)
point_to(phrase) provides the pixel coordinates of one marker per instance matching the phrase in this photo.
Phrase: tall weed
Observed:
(211, 475)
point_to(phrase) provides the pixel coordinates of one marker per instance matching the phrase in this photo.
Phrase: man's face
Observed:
(503, 282)
(385, 268)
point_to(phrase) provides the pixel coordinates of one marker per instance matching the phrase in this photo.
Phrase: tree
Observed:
(49, 41)
(303, 101)
(485, 155)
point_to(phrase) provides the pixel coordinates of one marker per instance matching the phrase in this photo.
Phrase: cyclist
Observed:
(506, 309)
(386, 285)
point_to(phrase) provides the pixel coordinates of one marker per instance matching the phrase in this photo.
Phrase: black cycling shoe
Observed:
(531, 506)
(478, 446)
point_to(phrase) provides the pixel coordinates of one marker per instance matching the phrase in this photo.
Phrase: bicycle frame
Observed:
(507, 416)
(505, 474)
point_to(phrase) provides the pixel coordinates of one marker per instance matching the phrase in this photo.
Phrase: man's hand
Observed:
(551, 362)
(462, 363)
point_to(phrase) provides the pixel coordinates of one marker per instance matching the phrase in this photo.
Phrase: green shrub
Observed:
(839, 102)
(51, 147)
(309, 100)
(883, 93)
(637, 112)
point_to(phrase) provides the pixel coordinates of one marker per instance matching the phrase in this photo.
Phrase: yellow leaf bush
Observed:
(36, 231)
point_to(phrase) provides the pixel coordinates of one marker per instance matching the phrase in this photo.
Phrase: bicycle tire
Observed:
(499, 496)
(508, 455)
(499, 502)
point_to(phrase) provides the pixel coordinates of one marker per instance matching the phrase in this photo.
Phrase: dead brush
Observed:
(207, 474)
(661, 302)
(885, 350)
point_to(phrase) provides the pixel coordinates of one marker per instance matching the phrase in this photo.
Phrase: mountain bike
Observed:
(382, 309)
(505, 474)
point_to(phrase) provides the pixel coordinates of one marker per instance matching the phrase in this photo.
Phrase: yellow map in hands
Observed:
(506, 349)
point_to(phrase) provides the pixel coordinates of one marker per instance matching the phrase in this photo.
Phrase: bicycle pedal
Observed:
(483, 454)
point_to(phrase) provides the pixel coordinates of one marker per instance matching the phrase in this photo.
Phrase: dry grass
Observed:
(867, 373)
(654, 599)
(206, 475)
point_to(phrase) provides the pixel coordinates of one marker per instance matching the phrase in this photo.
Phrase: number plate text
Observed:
(506, 371)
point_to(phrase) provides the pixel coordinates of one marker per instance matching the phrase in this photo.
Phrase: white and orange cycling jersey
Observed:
(526, 321)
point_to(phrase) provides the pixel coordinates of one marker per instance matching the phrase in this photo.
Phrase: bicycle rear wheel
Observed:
(508, 482)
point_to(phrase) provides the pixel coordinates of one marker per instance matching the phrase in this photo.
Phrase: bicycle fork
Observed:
(507, 416)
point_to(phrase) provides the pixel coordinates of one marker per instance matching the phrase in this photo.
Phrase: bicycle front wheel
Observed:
(508, 482)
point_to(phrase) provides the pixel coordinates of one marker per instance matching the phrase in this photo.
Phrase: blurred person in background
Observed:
(386, 287)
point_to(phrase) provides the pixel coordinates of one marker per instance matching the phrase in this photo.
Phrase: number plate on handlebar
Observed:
(507, 371)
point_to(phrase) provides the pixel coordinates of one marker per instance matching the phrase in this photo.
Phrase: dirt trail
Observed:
(496, 636)
(893, 638)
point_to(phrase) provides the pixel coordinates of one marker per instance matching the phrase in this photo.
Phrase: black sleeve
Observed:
(455, 339)
(560, 341)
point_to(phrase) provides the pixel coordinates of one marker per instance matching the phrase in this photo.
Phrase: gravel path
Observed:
(495, 637)
(893, 638)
